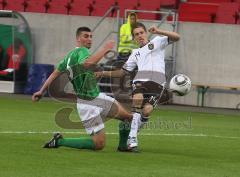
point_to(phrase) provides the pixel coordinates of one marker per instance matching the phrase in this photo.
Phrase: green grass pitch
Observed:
(175, 144)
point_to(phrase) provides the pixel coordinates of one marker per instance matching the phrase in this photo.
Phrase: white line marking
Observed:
(114, 133)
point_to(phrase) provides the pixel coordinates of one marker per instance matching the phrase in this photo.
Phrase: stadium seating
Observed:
(227, 13)
(101, 7)
(210, 1)
(145, 5)
(198, 12)
(195, 17)
(169, 3)
(16, 5)
(82, 7)
(211, 11)
(38, 6)
(199, 8)
(127, 5)
(59, 7)
(3, 4)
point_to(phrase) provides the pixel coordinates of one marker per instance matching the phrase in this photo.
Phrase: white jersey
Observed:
(150, 61)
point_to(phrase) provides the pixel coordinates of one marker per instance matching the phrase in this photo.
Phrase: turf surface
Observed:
(174, 144)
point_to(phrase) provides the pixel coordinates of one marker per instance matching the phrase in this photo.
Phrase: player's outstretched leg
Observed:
(53, 143)
(79, 143)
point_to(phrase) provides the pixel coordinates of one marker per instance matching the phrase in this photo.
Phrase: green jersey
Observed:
(83, 80)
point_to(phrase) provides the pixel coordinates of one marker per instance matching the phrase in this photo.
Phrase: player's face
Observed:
(140, 36)
(85, 39)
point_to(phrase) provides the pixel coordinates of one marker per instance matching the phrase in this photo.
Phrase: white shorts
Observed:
(92, 112)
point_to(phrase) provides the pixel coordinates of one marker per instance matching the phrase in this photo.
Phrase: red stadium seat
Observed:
(227, 13)
(199, 8)
(210, 1)
(149, 5)
(36, 6)
(101, 7)
(153, 6)
(58, 7)
(81, 7)
(195, 17)
(169, 3)
(16, 5)
(124, 4)
(3, 4)
(197, 12)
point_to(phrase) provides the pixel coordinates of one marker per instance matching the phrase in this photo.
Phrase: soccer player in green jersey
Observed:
(92, 105)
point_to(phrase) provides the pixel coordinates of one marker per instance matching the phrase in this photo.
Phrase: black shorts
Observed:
(153, 92)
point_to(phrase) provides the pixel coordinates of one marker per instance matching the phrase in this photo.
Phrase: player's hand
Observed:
(37, 96)
(98, 74)
(109, 45)
(153, 30)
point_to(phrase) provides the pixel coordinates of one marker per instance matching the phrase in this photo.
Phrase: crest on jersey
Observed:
(150, 46)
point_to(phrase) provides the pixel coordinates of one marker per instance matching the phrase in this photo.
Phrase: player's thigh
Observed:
(138, 99)
(118, 111)
(90, 116)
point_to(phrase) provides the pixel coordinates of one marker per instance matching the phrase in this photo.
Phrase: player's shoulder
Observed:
(135, 51)
(80, 49)
(159, 38)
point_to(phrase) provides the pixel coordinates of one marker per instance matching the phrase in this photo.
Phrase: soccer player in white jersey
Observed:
(149, 80)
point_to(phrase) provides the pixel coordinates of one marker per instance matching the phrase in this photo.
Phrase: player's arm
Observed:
(116, 73)
(93, 60)
(38, 95)
(129, 66)
(173, 36)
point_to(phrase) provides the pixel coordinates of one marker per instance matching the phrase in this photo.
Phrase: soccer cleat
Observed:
(126, 149)
(134, 149)
(122, 149)
(53, 142)
(132, 144)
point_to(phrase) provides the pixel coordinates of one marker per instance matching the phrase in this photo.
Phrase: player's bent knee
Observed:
(99, 140)
(99, 145)
(147, 110)
(138, 99)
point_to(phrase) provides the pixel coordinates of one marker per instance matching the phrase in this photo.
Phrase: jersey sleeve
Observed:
(131, 63)
(162, 41)
(62, 65)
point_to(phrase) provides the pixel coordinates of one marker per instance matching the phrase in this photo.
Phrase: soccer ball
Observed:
(180, 84)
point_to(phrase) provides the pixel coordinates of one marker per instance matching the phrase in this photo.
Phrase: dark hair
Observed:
(133, 14)
(81, 29)
(138, 25)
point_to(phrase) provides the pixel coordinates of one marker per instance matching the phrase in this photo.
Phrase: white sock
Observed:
(135, 125)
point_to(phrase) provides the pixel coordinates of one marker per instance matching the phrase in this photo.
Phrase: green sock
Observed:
(124, 129)
(79, 143)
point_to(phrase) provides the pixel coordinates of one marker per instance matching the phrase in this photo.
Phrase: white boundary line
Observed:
(114, 133)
